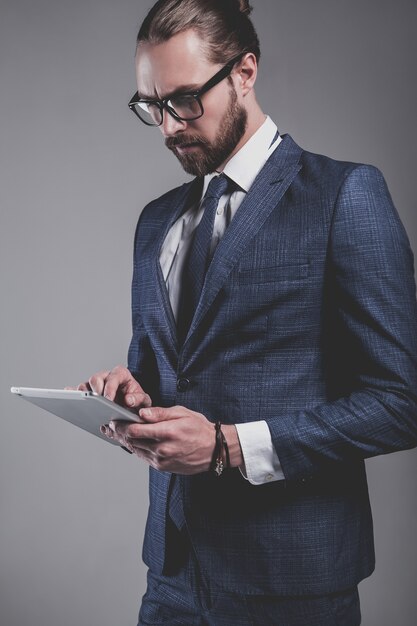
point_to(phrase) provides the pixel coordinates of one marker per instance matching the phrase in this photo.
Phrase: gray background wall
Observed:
(75, 169)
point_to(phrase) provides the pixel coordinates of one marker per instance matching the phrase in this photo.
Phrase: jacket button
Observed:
(183, 384)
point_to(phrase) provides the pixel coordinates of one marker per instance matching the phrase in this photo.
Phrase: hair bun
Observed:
(245, 7)
(240, 6)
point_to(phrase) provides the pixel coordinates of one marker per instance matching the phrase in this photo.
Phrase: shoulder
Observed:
(354, 197)
(357, 189)
(325, 172)
(325, 176)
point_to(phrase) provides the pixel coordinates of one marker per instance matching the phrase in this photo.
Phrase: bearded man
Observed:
(274, 344)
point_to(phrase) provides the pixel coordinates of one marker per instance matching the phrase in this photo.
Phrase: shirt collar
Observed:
(246, 164)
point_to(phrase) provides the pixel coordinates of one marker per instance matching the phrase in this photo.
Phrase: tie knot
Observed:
(217, 186)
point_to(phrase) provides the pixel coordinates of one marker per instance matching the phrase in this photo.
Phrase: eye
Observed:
(149, 112)
(184, 105)
(148, 107)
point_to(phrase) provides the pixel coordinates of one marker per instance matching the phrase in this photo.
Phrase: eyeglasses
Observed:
(182, 106)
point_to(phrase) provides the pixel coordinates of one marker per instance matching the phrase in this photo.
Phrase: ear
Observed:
(246, 73)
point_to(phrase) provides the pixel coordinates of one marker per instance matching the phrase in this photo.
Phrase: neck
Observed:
(255, 120)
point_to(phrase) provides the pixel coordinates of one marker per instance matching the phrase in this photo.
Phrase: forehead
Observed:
(181, 62)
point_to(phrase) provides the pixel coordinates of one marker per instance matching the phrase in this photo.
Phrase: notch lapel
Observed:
(263, 197)
(158, 299)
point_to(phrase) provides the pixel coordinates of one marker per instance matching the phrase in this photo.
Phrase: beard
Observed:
(213, 154)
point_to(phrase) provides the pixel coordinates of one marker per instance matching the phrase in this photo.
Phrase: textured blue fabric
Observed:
(199, 257)
(188, 599)
(307, 319)
(175, 503)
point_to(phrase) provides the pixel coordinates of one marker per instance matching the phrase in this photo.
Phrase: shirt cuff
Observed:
(261, 460)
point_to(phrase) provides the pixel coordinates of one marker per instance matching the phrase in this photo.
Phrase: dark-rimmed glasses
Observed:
(182, 106)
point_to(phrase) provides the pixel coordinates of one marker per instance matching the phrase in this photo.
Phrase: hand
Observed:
(119, 385)
(174, 439)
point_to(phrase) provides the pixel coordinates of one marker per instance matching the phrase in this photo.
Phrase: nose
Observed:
(171, 126)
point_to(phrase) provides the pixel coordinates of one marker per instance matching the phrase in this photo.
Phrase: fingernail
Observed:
(146, 413)
(112, 426)
(130, 400)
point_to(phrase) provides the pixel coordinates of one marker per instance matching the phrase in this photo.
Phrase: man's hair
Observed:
(223, 25)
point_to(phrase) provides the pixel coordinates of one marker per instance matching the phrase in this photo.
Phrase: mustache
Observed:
(184, 140)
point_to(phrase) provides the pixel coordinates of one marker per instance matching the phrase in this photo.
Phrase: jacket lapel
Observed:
(263, 197)
(181, 201)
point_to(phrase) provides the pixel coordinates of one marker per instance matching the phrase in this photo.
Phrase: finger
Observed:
(127, 429)
(145, 446)
(149, 445)
(135, 397)
(81, 387)
(111, 434)
(144, 455)
(106, 430)
(129, 392)
(115, 381)
(141, 449)
(131, 431)
(119, 426)
(97, 381)
(160, 414)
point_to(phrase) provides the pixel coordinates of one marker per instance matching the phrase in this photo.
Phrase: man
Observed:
(274, 344)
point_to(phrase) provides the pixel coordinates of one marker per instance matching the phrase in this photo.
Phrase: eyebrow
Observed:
(183, 89)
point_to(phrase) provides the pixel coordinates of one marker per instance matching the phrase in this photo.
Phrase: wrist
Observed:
(235, 451)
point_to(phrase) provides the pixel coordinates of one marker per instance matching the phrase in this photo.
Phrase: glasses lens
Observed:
(148, 113)
(186, 107)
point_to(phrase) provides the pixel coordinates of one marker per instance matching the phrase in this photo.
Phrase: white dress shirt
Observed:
(261, 460)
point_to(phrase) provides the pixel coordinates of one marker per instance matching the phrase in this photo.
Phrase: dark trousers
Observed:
(188, 599)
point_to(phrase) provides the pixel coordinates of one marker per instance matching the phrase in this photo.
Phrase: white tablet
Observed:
(84, 409)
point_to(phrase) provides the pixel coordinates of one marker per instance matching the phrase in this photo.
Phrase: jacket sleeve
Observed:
(371, 291)
(141, 358)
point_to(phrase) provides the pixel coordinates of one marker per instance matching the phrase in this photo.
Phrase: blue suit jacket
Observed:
(307, 320)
